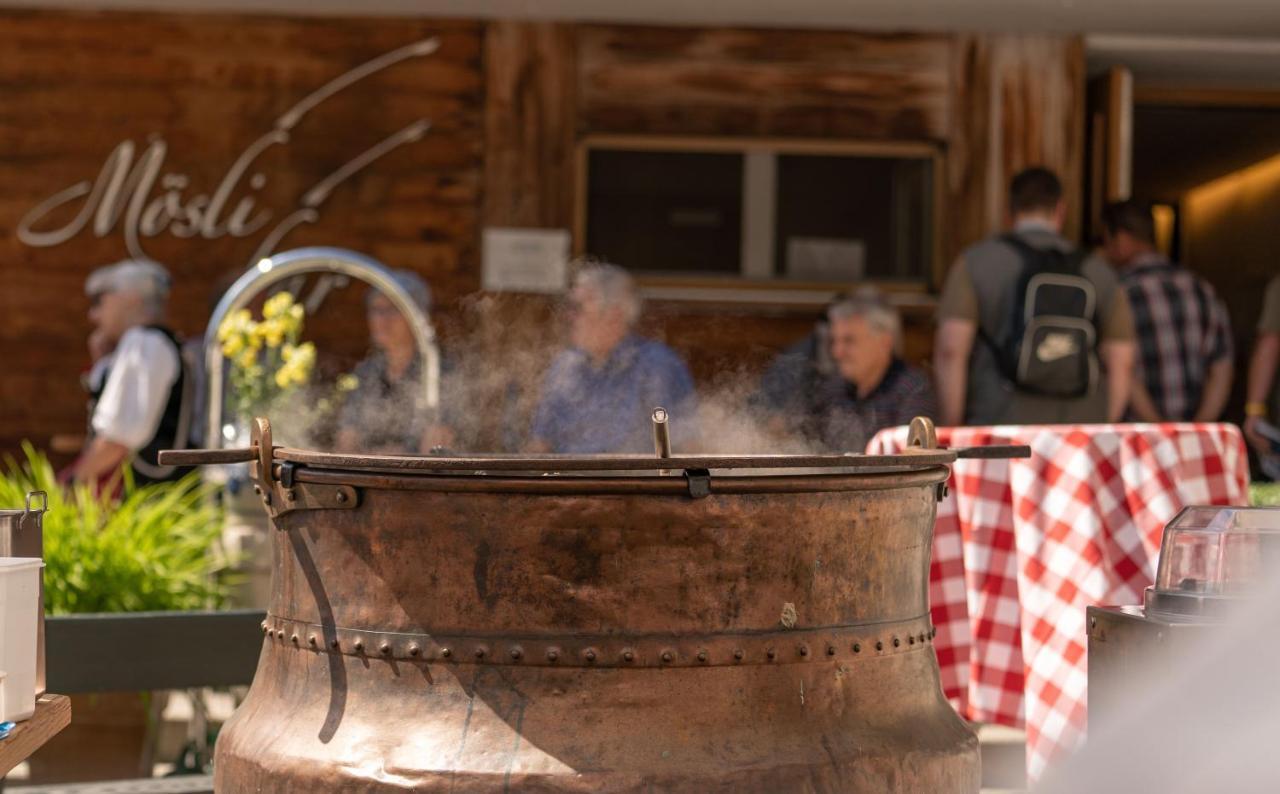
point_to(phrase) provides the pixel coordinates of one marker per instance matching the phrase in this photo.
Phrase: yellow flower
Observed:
(234, 323)
(277, 305)
(248, 358)
(271, 332)
(348, 382)
(232, 345)
(298, 363)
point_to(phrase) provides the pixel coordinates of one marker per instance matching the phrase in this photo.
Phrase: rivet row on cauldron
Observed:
(590, 655)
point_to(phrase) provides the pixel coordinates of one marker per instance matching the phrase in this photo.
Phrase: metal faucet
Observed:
(305, 261)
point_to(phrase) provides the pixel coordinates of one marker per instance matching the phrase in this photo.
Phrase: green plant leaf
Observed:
(157, 547)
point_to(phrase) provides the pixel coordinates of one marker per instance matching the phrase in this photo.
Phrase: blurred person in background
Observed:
(1064, 364)
(1184, 365)
(1262, 398)
(141, 395)
(792, 376)
(379, 415)
(100, 348)
(599, 394)
(872, 388)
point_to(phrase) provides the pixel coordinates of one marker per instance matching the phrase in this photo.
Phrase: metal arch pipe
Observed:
(305, 261)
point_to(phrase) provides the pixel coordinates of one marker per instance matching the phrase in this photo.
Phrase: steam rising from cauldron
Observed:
(495, 364)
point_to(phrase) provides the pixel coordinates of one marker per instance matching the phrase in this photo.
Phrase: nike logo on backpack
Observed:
(1056, 346)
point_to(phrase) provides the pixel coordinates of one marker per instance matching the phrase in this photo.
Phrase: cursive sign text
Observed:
(134, 194)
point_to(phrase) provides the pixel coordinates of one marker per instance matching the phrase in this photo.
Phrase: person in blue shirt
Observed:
(599, 394)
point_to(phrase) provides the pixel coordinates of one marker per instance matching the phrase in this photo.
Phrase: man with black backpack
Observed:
(1029, 330)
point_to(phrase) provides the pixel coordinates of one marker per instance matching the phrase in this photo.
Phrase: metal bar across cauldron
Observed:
(600, 623)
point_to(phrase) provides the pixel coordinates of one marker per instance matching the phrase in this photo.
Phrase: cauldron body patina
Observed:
(590, 632)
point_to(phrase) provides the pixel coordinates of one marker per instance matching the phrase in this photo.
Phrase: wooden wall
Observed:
(76, 84)
(509, 103)
(993, 103)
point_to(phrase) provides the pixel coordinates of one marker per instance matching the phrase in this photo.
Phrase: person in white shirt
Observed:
(141, 401)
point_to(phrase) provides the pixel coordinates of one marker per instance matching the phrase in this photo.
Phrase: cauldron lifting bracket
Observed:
(699, 481)
(283, 494)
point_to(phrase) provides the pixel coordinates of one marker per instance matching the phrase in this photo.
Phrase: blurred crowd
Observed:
(1030, 329)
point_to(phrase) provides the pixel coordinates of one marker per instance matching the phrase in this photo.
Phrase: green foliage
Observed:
(1264, 494)
(156, 548)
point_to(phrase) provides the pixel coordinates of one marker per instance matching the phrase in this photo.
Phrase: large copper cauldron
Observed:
(598, 625)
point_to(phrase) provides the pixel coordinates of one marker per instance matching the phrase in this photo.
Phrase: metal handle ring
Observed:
(922, 433)
(44, 501)
(261, 440)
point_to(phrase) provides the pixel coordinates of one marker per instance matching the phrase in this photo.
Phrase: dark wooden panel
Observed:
(759, 82)
(1016, 101)
(76, 84)
(530, 122)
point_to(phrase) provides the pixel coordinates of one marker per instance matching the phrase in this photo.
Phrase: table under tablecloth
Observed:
(1021, 547)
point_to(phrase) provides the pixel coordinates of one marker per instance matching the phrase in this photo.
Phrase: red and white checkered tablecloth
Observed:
(1021, 547)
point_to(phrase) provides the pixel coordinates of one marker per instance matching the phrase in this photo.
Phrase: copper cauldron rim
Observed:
(674, 483)
(921, 462)
(550, 464)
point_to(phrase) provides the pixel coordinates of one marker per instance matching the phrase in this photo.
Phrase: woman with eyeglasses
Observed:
(379, 416)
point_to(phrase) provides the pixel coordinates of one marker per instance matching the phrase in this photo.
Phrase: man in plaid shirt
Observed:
(1184, 335)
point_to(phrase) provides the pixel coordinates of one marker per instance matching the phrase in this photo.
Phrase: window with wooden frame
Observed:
(782, 214)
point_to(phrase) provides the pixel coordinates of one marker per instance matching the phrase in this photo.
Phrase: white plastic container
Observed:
(19, 606)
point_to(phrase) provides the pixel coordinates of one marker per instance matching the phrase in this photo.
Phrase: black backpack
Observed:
(1048, 342)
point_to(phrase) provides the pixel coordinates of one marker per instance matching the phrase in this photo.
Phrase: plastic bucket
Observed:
(19, 606)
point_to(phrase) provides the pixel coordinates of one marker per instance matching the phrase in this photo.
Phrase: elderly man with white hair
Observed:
(871, 388)
(140, 403)
(598, 395)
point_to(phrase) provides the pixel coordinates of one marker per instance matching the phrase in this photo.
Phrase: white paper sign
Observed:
(525, 260)
(825, 259)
